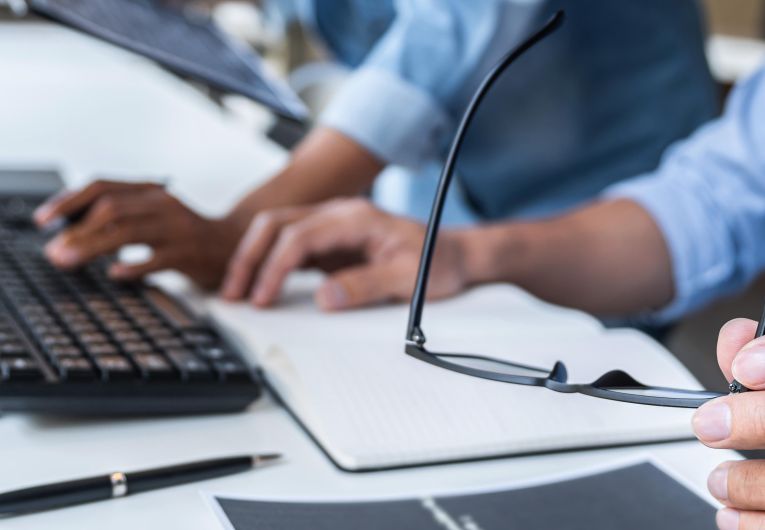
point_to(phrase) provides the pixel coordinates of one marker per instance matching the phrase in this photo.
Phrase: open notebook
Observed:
(370, 406)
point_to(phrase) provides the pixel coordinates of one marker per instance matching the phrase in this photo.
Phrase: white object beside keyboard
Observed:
(370, 406)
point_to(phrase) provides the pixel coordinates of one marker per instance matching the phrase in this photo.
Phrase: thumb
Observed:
(360, 286)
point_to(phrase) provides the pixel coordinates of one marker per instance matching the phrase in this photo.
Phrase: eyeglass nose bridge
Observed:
(617, 379)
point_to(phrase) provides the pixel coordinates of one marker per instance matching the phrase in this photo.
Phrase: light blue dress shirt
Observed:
(596, 103)
(708, 198)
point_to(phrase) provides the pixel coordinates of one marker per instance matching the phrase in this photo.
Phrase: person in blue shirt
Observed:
(657, 246)
(596, 104)
(619, 83)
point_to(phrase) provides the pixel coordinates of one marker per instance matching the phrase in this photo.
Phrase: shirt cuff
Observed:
(398, 122)
(697, 247)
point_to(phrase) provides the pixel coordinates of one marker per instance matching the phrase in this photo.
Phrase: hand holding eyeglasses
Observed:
(738, 422)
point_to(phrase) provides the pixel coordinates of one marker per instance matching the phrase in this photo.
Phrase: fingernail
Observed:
(62, 254)
(718, 482)
(41, 213)
(727, 519)
(227, 290)
(712, 422)
(260, 297)
(332, 295)
(749, 367)
(117, 270)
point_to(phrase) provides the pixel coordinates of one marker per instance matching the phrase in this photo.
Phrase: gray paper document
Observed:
(636, 497)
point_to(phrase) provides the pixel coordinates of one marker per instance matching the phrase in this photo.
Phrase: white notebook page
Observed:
(370, 405)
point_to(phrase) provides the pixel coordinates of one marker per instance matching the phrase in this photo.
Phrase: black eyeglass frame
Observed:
(614, 385)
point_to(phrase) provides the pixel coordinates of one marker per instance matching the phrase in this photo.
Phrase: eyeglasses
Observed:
(615, 385)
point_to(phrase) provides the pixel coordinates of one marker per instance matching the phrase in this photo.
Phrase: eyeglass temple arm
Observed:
(414, 333)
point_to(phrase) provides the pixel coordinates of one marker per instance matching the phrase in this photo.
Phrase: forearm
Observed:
(326, 164)
(609, 259)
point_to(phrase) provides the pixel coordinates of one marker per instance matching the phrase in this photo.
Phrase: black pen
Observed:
(735, 387)
(119, 484)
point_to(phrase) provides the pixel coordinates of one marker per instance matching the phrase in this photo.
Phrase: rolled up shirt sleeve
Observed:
(708, 199)
(396, 104)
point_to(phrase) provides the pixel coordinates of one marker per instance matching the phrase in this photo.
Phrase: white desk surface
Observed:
(88, 108)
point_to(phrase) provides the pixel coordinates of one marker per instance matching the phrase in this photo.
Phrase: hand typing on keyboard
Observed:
(111, 215)
(74, 342)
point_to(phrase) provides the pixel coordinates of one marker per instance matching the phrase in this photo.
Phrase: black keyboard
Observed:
(190, 46)
(78, 343)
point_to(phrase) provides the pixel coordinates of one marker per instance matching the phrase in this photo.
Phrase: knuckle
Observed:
(264, 221)
(164, 196)
(346, 206)
(241, 259)
(130, 232)
(748, 420)
(292, 236)
(745, 480)
(108, 207)
(741, 479)
(98, 186)
(756, 425)
(359, 206)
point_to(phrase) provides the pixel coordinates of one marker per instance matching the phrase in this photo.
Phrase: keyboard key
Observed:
(200, 338)
(212, 353)
(102, 349)
(169, 343)
(56, 340)
(96, 300)
(127, 300)
(138, 346)
(64, 351)
(20, 369)
(75, 369)
(189, 365)
(159, 332)
(154, 366)
(93, 338)
(83, 327)
(109, 314)
(127, 336)
(76, 318)
(47, 329)
(100, 305)
(144, 321)
(40, 319)
(114, 367)
(233, 371)
(12, 348)
(116, 324)
(68, 308)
